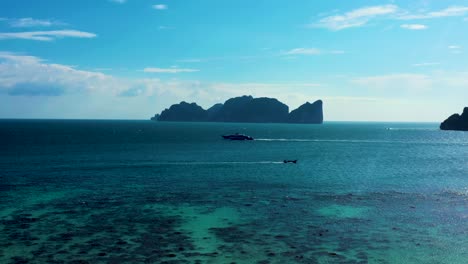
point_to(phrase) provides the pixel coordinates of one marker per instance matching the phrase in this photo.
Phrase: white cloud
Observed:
(29, 75)
(224, 58)
(414, 26)
(118, 1)
(160, 7)
(441, 86)
(451, 11)
(310, 51)
(18, 70)
(337, 52)
(31, 22)
(23, 77)
(46, 35)
(32, 76)
(169, 70)
(190, 60)
(355, 18)
(396, 82)
(165, 28)
(455, 49)
(303, 51)
(426, 64)
(102, 69)
(362, 16)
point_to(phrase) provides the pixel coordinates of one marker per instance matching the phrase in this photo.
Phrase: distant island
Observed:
(244, 109)
(456, 122)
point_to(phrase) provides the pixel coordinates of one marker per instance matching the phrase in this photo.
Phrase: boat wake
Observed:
(285, 139)
(325, 140)
(411, 129)
(361, 141)
(156, 164)
(217, 162)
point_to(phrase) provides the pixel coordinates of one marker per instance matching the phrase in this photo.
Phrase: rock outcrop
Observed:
(456, 122)
(245, 109)
(155, 117)
(184, 112)
(307, 113)
(233, 109)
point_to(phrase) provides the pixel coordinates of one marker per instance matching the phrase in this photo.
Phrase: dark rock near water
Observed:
(252, 110)
(214, 111)
(456, 122)
(155, 117)
(308, 113)
(245, 109)
(183, 112)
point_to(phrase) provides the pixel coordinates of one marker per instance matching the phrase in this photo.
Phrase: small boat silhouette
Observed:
(290, 161)
(237, 136)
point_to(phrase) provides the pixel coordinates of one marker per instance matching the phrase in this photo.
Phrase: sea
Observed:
(97, 191)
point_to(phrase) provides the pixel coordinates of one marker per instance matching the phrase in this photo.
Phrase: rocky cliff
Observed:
(307, 113)
(184, 112)
(456, 122)
(245, 109)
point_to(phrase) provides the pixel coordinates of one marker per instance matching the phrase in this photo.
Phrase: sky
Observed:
(130, 59)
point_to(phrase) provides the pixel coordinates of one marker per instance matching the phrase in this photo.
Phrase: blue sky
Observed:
(117, 59)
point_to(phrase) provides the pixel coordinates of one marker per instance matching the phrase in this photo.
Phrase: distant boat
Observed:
(290, 161)
(237, 136)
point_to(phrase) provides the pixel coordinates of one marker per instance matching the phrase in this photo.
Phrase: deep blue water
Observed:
(141, 191)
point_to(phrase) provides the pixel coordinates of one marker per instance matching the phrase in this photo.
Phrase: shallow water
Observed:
(141, 191)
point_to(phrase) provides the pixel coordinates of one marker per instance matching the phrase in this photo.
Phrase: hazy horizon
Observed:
(375, 61)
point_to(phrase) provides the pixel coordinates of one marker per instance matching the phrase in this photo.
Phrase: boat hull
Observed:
(237, 137)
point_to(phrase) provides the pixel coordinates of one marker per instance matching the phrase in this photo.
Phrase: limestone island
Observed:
(244, 109)
(456, 122)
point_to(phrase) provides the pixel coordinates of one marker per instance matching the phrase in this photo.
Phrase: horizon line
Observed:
(126, 119)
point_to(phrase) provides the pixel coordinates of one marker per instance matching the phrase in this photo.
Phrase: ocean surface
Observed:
(149, 192)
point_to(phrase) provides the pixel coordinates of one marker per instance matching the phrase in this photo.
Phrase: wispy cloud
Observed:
(455, 49)
(190, 60)
(22, 75)
(451, 11)
(164, 28)
(310, 52)
(169, 70)
(362, 16)
(414, 26)
(102, 69)
(222, 58)
(392, 82)
(337, 52)
(355, 18)
(31, 22)
(303, 51)
(438, 85)
(46, 35)
(29, 75)
(118, 1)
(284, 54)
(160, 7)
(426, 64)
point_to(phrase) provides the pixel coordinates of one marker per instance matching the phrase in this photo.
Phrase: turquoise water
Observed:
(147, 192)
